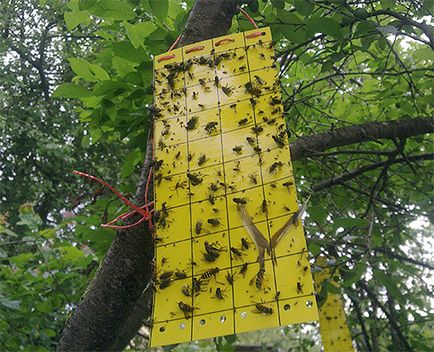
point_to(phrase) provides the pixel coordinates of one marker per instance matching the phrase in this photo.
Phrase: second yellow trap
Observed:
(223, 188)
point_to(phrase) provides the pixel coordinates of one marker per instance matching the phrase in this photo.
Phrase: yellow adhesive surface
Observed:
(334, 329)
(218, 108)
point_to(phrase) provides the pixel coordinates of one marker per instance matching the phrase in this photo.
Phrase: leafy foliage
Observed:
(342, 63)
(44, 273)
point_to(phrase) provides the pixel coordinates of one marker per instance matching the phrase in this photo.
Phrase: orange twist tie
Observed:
(221, 41)
(196, 48)
(167, 57)
(255, 34)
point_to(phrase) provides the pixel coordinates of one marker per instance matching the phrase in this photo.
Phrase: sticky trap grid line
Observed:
(231, 273)
(263, 320)
(264, 197)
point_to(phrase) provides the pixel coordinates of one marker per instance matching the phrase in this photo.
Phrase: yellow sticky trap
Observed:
(220, 147)
(334, 329)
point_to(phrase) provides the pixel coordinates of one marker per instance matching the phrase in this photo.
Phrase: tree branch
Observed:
(426, 29)
(361, 322)
(310, 145)
(350, 175)
(406, 258)
(141, 311)
(394, 324)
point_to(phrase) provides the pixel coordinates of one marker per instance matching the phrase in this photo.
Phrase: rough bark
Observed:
(208, 19)
(141, 311)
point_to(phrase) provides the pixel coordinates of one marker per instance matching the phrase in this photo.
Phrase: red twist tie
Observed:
(225, 40)
(167, 57)
(254, 35)
(196, 48)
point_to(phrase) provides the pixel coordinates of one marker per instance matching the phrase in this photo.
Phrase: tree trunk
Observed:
(109, 300)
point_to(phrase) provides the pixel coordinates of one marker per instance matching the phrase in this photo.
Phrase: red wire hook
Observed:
(146, 214)
(251, 20)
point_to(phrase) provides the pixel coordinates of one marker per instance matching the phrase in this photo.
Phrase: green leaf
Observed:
(324, 25)
(350, 222)
(361, 13)
(367, 41)
(80, 68)
(288, 18)
(387, 4)
(390, 283)
(253, 5)
(70, 90)
(11, 304)
(50, 332)
(351, 277)
(74, 18)
(314, 248)
(6, 231)
(85, 141)
(89, 72)
(28, 217)
(138, 32)
(87, 4)
(48, 233)
(21, 259)
(327, 65)
(44, 307)
(333, 288)
(317, 213)
(122, 66)
(278, 4)
(159, 8)
(98, 72)
(304, 7)
(131, 160)
(365, 28)
(71, 254)
(118, 10)
(293, 34)
(104, 87)
(126, 50)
